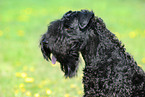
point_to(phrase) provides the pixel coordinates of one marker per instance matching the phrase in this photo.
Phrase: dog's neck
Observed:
(99, 48)
(89, 53)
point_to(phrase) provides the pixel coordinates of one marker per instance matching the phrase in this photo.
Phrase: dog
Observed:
(109, 70)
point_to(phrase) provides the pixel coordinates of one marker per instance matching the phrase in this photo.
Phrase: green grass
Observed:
(22, 22)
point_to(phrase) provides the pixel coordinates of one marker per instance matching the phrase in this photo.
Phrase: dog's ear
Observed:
(84, 18)
(67, 14)
(44, 48)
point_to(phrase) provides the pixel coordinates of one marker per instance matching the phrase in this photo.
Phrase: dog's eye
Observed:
(69, 29)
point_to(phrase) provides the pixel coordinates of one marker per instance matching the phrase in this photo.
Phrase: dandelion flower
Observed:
(117, 34)
(16, 92)
(23, 90)
(18, 74)
(82, 86)
(140, 65)
(40, 86)
(18, 63)
(56, 64)
(72, 86)
(20, 33)
(32, 69)
(1, 33)
(23, 18)
(21, 85)
(28, 93)
(143, 60)
(132, 34)
(36, 95)
(44, 82)
(82, 75)
(25, 68)
(28, 11)
(23, 75)
(48, 91)
(29, 79)
(66, 95)
(79, 92)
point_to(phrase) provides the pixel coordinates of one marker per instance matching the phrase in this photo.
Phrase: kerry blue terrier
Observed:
(109, 70)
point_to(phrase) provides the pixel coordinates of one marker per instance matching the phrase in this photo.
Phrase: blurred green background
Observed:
(24, 72)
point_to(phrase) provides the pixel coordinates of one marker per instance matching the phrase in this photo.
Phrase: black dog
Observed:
(109, 70)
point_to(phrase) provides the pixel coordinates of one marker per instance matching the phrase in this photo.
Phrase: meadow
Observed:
(24, 72)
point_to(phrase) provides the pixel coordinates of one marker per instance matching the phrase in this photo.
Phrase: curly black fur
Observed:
(109, 70)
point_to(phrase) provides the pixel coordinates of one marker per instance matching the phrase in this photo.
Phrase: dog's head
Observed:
(65, 38)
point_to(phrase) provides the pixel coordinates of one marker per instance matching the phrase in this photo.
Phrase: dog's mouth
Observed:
(53, 59)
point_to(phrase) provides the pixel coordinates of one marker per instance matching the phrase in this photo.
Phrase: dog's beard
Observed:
(68, 65)
(70, 68)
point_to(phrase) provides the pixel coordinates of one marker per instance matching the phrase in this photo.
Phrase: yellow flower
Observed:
(132, 34)
(43, 82)
(117, 34)
(18, 63)
(82, 75)
(36, 95)
(48, 91)
(29, 79)
(16, 92)
(28, 11)
(21, 85)
(23, 90)
(72, 86)
(23, 75)
(143, 60)
(28, 93)
(79, 92)
(54, 64)
(1, 33)
(25, 68)
(20, 33)
(140, 65)
(40, 86)
(32, 69)
(62, 8)
(23, 18)
(82, 86)
(66, 95)
(18, 74)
